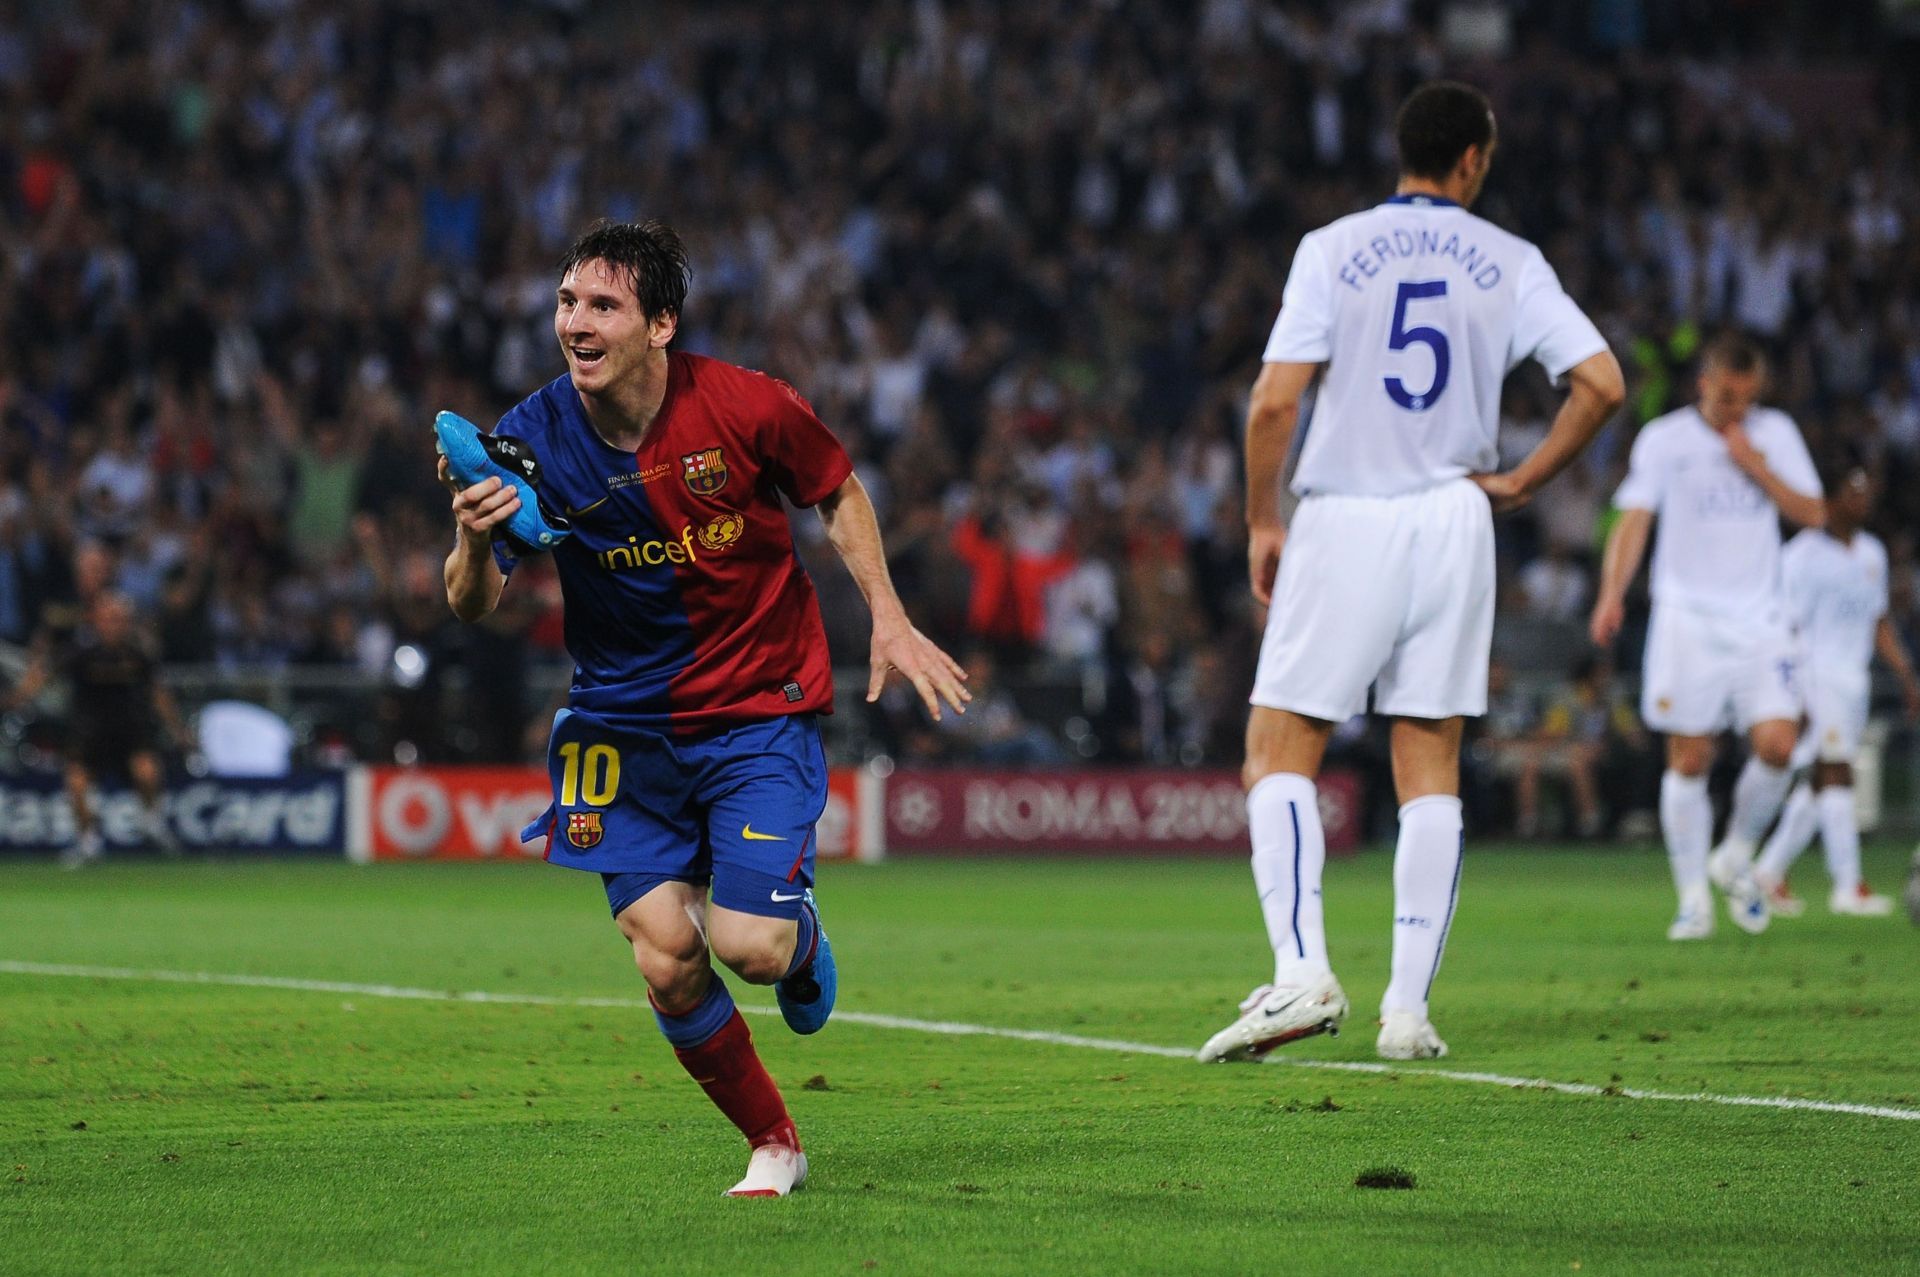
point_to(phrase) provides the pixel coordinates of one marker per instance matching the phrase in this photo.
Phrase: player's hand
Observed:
(934, 674)
(1608, 616)
(1741, 451)
(1504, 492)
(481, 508)
(1265, 541)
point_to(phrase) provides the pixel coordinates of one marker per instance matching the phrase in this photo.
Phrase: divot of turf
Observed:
(1384, 1177)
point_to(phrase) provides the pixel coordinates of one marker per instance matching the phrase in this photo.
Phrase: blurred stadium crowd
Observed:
(1024, 258)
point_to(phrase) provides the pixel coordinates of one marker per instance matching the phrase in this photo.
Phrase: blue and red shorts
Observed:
(734, 807)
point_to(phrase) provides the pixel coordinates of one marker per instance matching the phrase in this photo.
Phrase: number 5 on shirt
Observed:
(600, 770)
(1401, 337)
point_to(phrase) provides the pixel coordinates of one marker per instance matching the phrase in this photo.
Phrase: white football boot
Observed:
(1407, 1035)
(774, 1170)
(1781, 902)
(1695, 919)
(1274, 1015)
(1861, 902)
(1747, 904)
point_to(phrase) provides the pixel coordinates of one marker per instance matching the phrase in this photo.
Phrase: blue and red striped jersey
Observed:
(685, 605)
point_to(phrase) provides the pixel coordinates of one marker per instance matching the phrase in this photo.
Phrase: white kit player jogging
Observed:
(1835, 593)
(1417, 310)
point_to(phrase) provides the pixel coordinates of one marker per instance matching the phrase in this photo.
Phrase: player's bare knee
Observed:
(1773, 744)
(676, 979)
(755, 959)
(1689, 755)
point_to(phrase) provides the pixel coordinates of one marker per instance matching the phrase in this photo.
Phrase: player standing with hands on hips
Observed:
(1719, 475)
(687, 768)
(1411, 314)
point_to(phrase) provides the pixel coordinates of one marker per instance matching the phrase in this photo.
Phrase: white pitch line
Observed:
(949, 1028)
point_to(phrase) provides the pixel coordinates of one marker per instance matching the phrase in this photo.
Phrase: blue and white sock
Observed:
(1426, 887)
(1289, 855)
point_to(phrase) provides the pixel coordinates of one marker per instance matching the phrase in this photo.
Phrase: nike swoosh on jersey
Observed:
(746, 832)
(583, 509)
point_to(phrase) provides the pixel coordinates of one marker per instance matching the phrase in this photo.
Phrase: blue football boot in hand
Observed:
(474, 456)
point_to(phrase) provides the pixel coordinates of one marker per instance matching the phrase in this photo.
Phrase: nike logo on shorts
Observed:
(746, 831)
(780, 899)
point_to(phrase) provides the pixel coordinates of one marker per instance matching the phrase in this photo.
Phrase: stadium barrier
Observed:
(476, 813)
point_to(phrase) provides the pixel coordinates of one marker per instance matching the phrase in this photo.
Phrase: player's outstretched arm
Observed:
(473, 579)
(848, 515)
(1272, 416)
(1595, 391)
(1626, 546)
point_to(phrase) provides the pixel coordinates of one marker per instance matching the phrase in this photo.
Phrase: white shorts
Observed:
(1837, 705)
(1706, 673)
(1393, 593)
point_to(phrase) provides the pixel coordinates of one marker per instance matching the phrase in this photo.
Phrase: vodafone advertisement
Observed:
(477, 813)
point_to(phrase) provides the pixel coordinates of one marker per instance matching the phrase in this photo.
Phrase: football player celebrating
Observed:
(1411, 314)
(1835, 580)
(687, 767)
(1719, 476)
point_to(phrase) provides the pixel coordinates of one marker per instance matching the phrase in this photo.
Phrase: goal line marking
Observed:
(948, 1028)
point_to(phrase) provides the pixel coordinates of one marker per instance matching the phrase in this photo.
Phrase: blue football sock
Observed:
(694, 1027)
(803, 941)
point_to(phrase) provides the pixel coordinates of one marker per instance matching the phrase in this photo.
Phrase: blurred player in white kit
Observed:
(1719, 475)
(1835, 581)
(1411, 314)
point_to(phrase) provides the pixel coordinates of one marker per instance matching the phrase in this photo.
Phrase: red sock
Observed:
(728, 1069)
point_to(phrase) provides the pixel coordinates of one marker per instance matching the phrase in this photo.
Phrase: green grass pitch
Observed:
(150, 1127)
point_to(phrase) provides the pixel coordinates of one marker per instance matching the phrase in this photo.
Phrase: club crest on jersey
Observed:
(584, 828)
(723, 531)
(705, 471)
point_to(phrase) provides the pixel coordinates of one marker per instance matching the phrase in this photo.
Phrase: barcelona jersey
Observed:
(686, 607)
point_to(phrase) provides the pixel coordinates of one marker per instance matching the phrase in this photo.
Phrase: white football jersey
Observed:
(1836, 594)
(1716, 547)
(1419, 310)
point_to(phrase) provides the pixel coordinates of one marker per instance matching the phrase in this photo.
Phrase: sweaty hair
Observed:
(1436, 125)
(650, 256)
(1733, 352)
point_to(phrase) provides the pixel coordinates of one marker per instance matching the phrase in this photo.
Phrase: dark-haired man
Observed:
(1410, 314)
(1719, 475)
(1835, 582)
(687, 768)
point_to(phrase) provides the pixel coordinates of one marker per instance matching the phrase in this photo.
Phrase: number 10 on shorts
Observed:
(599, 769)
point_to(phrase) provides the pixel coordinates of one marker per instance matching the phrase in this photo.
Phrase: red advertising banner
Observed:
(477, 813)
(1167, 812)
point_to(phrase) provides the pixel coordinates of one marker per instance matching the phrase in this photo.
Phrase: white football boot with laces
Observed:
(1274, 1015)
(1861, 902)
(774, 1170)
(1408, 1035)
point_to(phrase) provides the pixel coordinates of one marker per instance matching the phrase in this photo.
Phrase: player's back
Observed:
(1418, 309)
(1837, 592)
